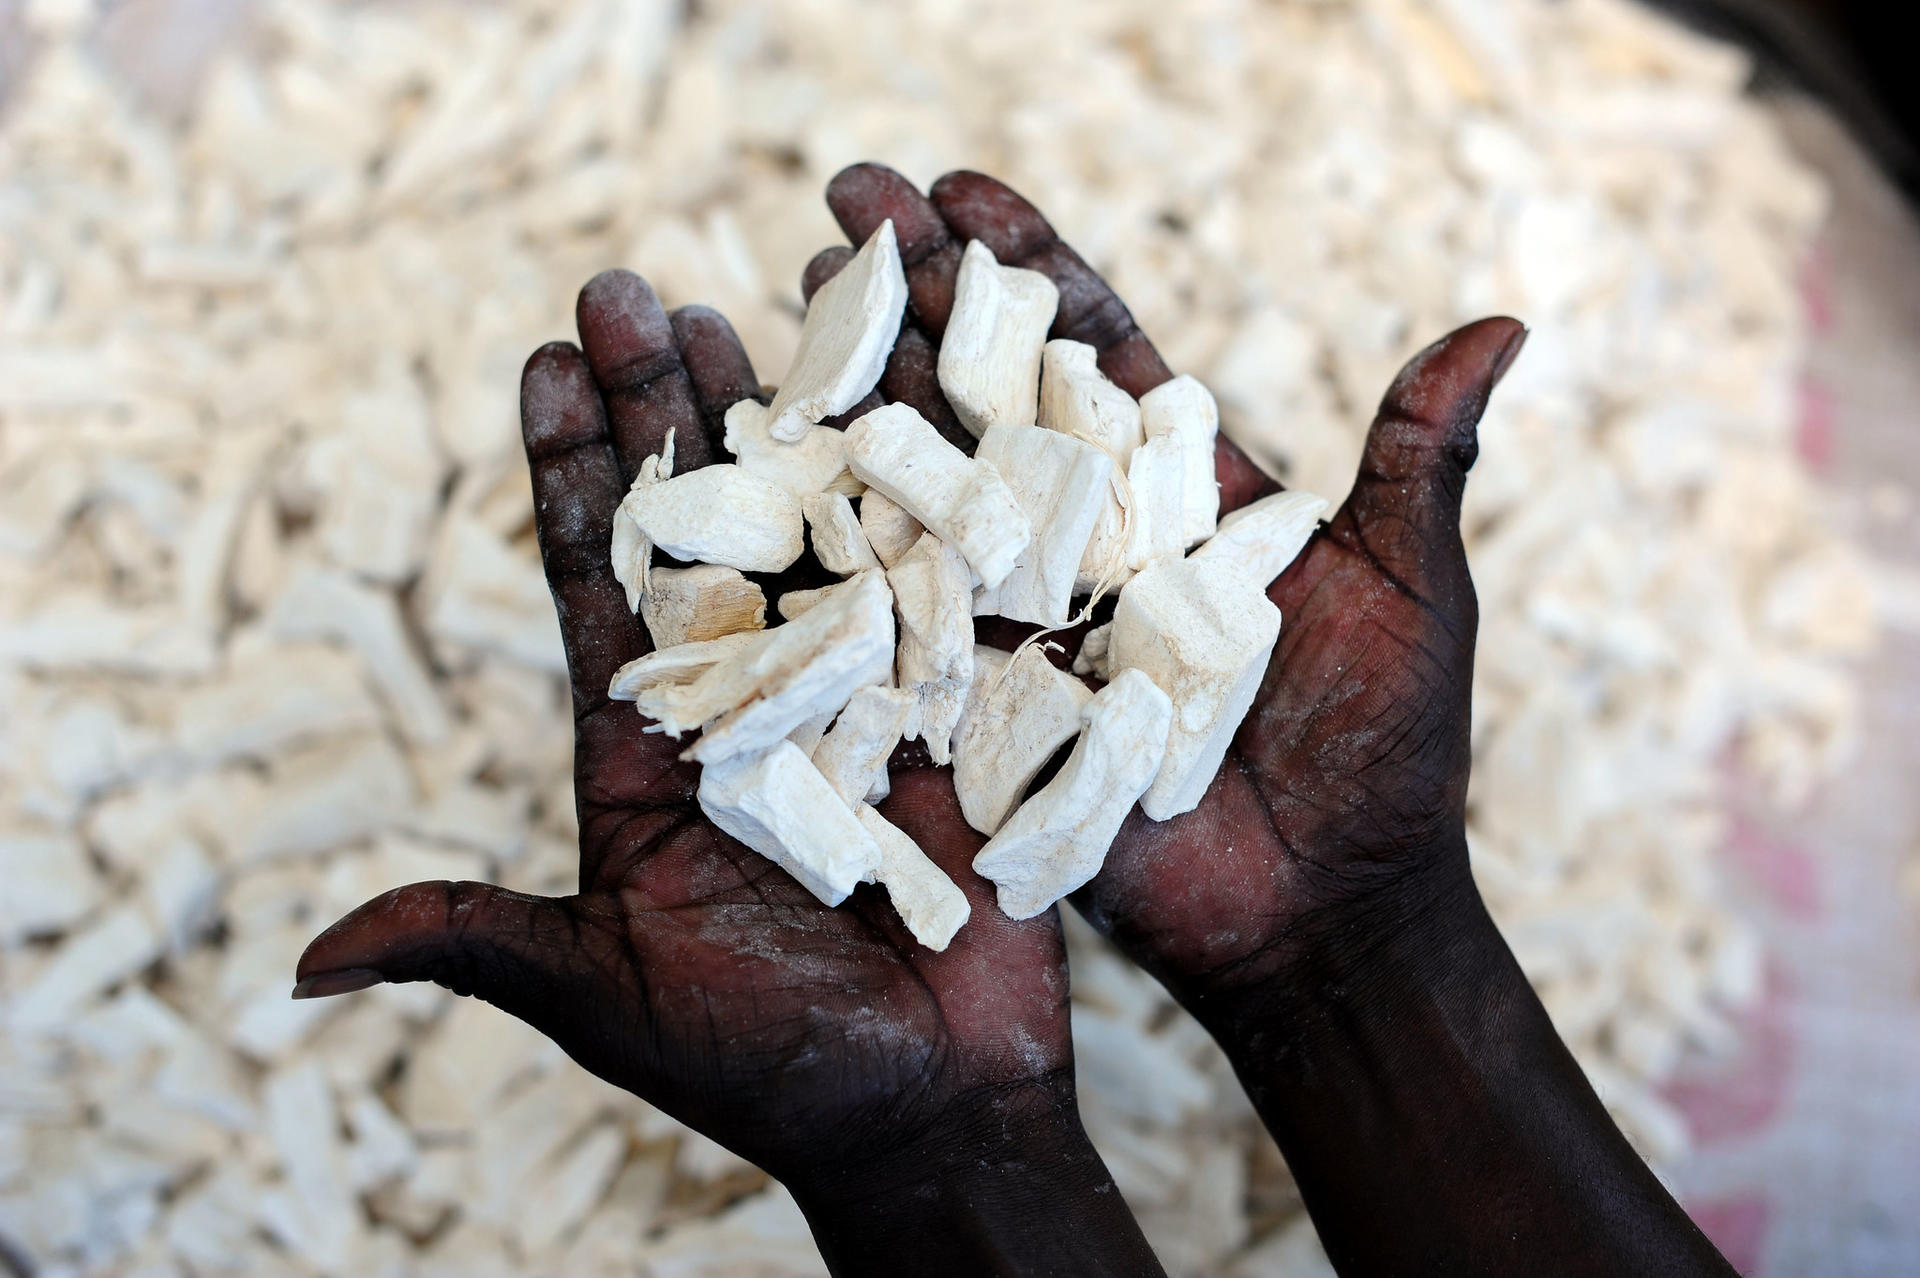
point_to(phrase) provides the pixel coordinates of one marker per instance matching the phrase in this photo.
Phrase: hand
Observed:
(884, 1083)
(1316, 910)
(1348, 779)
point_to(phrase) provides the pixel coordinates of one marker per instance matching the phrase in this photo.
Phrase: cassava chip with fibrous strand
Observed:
(932, 592)
(1156, 478)
(1063, 485)
(1077, 399)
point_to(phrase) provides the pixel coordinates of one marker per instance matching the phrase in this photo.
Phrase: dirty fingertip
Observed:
(344, 981)
(1510, 353)
(826, 264)
(1445, 386)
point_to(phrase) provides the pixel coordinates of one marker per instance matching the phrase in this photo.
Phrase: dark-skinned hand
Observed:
(1316, 911)
(1354, 758)
(825, 1045)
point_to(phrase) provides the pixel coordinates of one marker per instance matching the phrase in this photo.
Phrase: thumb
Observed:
(520, 953)
(1405, 506)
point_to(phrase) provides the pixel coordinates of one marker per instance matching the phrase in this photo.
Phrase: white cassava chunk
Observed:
(46, 884)
(1263, 537)
(850, 328)
(928, 902)
(720, 515)
(632, 550)
(797, 603)
(807, 735)
(1019, 711)
(1092, 657)
(805, 668)
(852, 756)
(1059, 837)
(960, 499)
(681, 664)
(778, 804)
(706, 601)
(1157, 476)
(1063, 484)
(933, 593)
(1184, 409)
(1105, 559)
(816, 463)
(888, 528)
(1077, 399)
(1203, 631)
(838, 543)
(990, 354)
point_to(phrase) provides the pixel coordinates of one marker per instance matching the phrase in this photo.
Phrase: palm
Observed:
(1352, 755)
(743, 977)
(708, 975)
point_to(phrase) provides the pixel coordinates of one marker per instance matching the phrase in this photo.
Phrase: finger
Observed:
(717, 368)
(577, 486)
(862, 196)
(630, 345)
(826, 264)
(912, 377)
(538, 958)
(977, 207)
(473, 938)
(1404, 510)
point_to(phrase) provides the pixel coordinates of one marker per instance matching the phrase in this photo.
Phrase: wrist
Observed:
(1005, 1182)
(1406, 1060)
(1371, 949)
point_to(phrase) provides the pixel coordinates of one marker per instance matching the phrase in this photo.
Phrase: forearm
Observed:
(1011, 1186)
(1433, 1118)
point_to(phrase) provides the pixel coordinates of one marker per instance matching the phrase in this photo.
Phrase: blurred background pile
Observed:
(273, 635)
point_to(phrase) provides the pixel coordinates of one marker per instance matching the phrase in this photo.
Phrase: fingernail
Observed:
(344, 981)
(1509, 353)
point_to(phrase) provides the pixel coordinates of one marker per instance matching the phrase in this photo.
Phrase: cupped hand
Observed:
(1340, 807)
(1315, 910)
(816, 1042)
